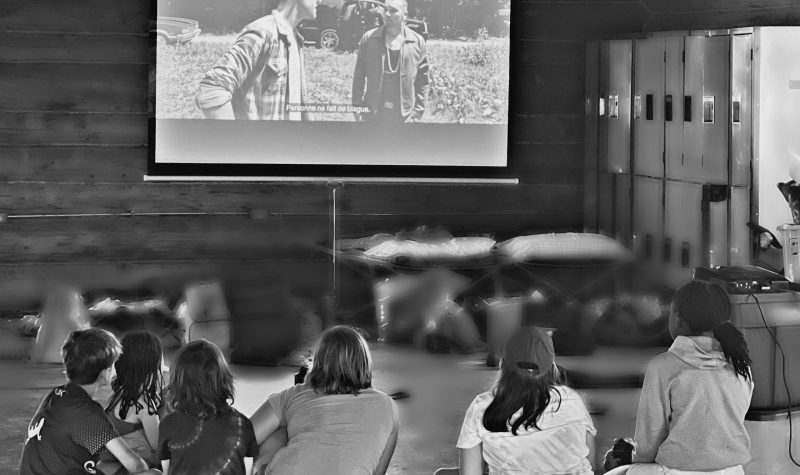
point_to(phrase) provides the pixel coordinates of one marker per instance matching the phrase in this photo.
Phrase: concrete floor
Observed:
(440, 387)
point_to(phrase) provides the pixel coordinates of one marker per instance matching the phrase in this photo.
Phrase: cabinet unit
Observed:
(690, 133)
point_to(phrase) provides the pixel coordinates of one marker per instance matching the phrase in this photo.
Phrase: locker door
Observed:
(741, 109)
(605, 205)
(590, 124)
(682, 231)
(714, 111)
(692, 107)
(618, 106)
(622, 208)
(740, 245)
(648, 213)
(673, 107)
(648, 107)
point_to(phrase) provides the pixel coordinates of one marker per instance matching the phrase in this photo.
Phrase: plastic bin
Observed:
(790, 239)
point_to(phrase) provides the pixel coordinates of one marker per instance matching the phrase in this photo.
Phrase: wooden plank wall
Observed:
(73, 134)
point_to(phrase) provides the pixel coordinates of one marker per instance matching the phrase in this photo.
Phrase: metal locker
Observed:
(605, 204)
(741, 116)
(713, 116)
(740, 234)
(691, 109)
(590, 123)
(682, 231)
(622, 208)
(615, 105)
(647, 226)
(648, 106)
(673, 107)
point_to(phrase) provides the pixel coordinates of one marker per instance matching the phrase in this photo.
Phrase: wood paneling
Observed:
(454, 200)
(711, 8)
(65, 87)
(546, 52)
(549, 89)
(27, 47)
(84, 16)
(725, 19)
(64, 128)
(72, 198)
(153, 238)
(577, 20)
(73, 164)
(547, 128)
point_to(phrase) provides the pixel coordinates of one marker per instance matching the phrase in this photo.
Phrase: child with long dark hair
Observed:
(695, 396)
(530, 422)
(136, 395)
(204, 435)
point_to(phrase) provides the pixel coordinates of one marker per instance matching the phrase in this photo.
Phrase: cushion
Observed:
(454, 248)
(563, 247)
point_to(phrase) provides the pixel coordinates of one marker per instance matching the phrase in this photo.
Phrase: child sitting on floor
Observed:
(136, 399)
(69, 430)
(695, 396)
(204, 434)
(530, 422)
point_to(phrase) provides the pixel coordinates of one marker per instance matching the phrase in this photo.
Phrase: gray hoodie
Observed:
(692, 408)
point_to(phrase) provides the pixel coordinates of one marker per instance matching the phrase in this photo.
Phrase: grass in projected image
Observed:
(469, 79)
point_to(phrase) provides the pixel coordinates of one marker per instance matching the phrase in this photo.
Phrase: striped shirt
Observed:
(260, 74)
(558, 448)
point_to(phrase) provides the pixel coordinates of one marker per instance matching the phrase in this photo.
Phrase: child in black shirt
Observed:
(70, 430)
(204, 435)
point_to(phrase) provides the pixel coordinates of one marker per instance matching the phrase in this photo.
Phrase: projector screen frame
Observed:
(164, 171)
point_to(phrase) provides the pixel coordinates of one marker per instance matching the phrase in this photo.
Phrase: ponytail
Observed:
(734, 347)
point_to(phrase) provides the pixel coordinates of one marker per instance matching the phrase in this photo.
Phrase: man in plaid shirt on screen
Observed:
(262, 73)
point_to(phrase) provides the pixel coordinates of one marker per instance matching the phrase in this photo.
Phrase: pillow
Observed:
(459, 247)
(563, 247)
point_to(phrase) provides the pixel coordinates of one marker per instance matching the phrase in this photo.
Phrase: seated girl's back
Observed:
(204, 435)
(558, 446)
(530, 422)
(331, 433)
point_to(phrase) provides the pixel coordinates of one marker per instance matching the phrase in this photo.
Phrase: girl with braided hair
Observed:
(136, 399)
(695, 396)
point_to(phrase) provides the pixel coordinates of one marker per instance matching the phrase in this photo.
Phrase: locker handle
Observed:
(648, 107)
(737, 111)
(685, 254)
(637, 106)
(667, 250)
(601, 106)
(648, 246)
(687, 108)
(668, 107)
(708, 109)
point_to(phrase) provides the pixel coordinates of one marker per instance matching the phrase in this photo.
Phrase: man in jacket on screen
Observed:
(261, 77)
(392, 74)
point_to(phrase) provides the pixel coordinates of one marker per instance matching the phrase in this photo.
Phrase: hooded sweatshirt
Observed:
(692, 408)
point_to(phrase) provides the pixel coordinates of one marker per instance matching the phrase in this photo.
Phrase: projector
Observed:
(743, 279)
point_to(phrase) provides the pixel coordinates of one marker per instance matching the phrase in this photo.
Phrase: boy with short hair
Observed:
(69, 429)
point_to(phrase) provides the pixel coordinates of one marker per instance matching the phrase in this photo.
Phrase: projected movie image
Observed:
(407, 67)
(428, 61)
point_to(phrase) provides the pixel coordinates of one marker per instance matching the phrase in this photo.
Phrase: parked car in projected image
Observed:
(173, 30)
(341, 23)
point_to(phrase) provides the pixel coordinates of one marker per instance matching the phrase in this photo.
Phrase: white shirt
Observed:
(559, 447)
